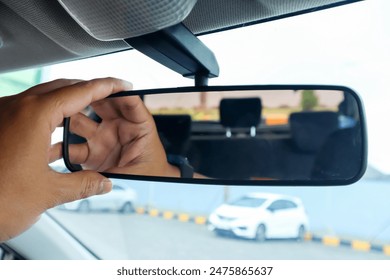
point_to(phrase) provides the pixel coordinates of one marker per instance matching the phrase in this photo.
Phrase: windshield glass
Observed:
(346, 46)
(248, 202)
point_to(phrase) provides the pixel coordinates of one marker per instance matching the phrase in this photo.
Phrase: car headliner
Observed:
(37, 33)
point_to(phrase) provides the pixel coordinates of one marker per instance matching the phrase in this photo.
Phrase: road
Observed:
(136, 236)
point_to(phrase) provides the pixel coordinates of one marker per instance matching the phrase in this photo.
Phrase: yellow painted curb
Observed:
(361, 245)
(386, 250)
(200, 220)
(140, 210)
(153, 212)
(183, 217)
(168, 215)
(308, 236)
(331, 241)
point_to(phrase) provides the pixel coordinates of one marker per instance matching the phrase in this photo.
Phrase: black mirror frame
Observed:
(337, 182)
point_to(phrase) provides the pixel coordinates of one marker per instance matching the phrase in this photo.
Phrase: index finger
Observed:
(50, 86)
(130, 108)
(70, 100)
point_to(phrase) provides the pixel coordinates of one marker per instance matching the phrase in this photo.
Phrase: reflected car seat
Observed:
(341, 157)
(240, 112)
(232, 156)
(174, 132)
(310, 130)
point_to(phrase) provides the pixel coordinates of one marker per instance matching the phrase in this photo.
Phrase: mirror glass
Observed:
(257, 135)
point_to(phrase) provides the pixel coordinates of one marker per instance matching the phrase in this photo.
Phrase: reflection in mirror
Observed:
(256, 135)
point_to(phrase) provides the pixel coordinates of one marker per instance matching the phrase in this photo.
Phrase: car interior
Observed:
(251, 149)
(239, 146)
(52, 35)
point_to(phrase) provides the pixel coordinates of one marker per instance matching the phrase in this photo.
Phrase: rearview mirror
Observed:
(254, 135)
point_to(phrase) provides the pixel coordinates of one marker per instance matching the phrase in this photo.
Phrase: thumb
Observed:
(82, 184)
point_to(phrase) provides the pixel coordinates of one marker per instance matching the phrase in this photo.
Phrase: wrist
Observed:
(172, 171)
(181, 163)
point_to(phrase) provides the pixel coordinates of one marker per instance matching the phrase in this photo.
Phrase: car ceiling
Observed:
(42, 32)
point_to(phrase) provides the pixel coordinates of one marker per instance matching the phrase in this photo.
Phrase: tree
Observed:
(309, 100)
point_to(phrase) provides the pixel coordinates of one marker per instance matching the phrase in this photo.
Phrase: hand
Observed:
(125, 141)
(28, 186)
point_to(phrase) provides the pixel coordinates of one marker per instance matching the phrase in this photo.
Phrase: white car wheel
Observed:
(301, 233)
(84, 207)
(127, 208)
(261, 233)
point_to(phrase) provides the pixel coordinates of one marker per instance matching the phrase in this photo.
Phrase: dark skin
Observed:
(28, 186)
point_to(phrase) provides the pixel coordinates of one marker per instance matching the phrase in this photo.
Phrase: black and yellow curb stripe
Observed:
(169, 215)
(358, 245)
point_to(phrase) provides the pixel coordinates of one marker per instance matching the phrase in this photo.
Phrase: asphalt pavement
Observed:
(135, 236)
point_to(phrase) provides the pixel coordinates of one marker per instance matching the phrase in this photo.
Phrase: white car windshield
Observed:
(248, 202)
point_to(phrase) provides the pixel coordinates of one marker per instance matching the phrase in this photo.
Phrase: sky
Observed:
(348, 46)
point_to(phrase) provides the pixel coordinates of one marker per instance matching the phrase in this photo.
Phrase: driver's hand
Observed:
(125, 141)
(28, 186)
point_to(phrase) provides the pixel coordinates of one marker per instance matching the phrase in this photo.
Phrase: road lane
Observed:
(116, 236)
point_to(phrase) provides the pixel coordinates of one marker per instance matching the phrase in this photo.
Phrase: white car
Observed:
(260, 216)
(119, 199)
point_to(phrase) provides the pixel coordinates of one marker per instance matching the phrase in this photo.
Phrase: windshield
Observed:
(149, 220)
(276, 106)
(251, 202)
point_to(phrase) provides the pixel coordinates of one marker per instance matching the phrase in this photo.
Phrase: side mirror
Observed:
(254, 135)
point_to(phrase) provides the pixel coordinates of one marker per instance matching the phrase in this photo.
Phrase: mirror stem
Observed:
(201, 80)
(177, 48)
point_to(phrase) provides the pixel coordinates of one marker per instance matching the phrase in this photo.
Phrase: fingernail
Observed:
(105, 186)
(128, 85)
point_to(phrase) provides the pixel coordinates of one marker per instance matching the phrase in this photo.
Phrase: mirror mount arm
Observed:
(179, 49)
(201, 80)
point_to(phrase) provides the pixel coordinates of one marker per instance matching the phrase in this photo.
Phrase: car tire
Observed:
(127, 208)
(222, 233)
(83, 207)
(261, 233)
(301, 233)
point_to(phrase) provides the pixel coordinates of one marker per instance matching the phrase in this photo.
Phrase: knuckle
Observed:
(75, 123)
(88, 86)
(58, 102)
(93, 85)
(128, 107)
(99, 82)
(89, 187)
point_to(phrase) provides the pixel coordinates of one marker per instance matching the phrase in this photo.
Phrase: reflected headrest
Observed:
(240, 112)
(176, 128)
(310, 130)
(174, 131)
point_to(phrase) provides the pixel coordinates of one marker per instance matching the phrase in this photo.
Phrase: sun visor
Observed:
(108, 20)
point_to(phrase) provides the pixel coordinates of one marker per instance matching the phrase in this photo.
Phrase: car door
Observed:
(105, 202)
(282, 219)
(113, 199)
